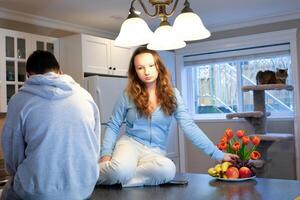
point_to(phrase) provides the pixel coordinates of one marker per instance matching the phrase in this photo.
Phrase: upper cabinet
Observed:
(95, 55)
(120, 58)
(16, 47)
(82, 54)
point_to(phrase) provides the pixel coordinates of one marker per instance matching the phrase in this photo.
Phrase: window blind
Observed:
(237, 54)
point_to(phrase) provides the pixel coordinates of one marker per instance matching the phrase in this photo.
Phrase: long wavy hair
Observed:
(137, 91)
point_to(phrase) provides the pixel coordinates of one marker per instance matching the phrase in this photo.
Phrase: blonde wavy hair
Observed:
(137, 91)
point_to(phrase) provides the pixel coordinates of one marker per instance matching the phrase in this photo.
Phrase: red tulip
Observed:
(224, 139)
(236, 146)
(240, 133)
(256, 140)
(245, 140)
(228, 133)
(222, 146)
(255, 155)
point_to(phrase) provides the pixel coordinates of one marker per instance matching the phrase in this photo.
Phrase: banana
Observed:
(225, 166)
(212, 172)
(224, 176)
(218, 168)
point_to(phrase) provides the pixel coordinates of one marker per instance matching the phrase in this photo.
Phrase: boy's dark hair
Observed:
(41, 62)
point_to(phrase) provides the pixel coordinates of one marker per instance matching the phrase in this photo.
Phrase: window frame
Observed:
(229, 44)
(239, 97)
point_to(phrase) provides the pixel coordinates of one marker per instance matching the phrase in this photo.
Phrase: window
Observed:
(218, 79)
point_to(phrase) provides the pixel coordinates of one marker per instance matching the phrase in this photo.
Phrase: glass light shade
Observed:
(165, 39)
(134, 32)
(189, 27)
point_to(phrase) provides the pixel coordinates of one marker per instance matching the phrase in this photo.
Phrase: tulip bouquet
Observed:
(240, 144)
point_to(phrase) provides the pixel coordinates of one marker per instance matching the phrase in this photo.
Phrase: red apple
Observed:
(232, 173)
(245, 172)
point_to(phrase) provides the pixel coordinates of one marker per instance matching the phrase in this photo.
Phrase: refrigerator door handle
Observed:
(98, 101)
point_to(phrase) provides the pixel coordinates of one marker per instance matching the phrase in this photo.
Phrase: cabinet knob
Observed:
(114, 68)
(110, 68)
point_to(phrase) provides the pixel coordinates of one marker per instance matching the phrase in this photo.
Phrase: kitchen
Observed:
(188, 158)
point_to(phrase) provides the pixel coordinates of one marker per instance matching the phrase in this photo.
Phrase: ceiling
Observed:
(108, 15)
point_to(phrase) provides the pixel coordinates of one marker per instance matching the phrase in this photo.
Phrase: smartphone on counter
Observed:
(177, 182)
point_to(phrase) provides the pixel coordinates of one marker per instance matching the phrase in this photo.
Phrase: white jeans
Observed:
(134, 164)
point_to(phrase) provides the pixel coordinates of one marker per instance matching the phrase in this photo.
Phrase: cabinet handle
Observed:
(110, 68)
(114, 68)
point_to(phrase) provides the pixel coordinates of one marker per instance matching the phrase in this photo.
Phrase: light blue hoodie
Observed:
(51, 139)
(154, 131)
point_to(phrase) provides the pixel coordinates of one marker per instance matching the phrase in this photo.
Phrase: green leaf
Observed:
(242, 156)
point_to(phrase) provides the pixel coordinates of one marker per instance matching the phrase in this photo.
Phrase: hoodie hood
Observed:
(50, 85)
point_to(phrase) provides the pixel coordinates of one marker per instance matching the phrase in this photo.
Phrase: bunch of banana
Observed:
(225, 166)
(219, 170)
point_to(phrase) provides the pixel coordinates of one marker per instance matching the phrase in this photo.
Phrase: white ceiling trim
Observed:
(268, 19)
(51, 23)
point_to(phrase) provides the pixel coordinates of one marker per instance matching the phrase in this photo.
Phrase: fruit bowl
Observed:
(233, 171)
(236, 179)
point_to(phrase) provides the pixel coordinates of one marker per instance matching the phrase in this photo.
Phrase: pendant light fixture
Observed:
(187, 27)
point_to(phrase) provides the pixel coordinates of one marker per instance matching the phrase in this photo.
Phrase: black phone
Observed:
(177, 182)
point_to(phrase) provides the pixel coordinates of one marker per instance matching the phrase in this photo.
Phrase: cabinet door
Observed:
(96, 55)
(14, 53)
(16, 47)
(44, 43)
(120, 58)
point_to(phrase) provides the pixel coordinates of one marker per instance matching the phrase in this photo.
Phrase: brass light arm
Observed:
(144, 8)
(173, 9)
(160, 7)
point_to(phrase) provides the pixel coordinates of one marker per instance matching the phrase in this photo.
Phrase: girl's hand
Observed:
(230, 157)
(104, 158)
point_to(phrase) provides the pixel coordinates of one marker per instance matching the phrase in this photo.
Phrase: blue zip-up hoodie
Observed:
(154, 131)
(51, 139)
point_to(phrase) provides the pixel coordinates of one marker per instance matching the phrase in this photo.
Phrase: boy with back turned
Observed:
(51, 136)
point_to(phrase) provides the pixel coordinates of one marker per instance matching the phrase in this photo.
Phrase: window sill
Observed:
(223, 119)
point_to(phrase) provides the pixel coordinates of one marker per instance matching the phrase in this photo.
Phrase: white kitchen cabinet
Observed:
(120, 58)
(15, 49)
(95, 54)
(84, 54)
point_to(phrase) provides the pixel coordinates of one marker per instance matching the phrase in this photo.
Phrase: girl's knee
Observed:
(118, 172)
(165, 171)
(169, 169)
